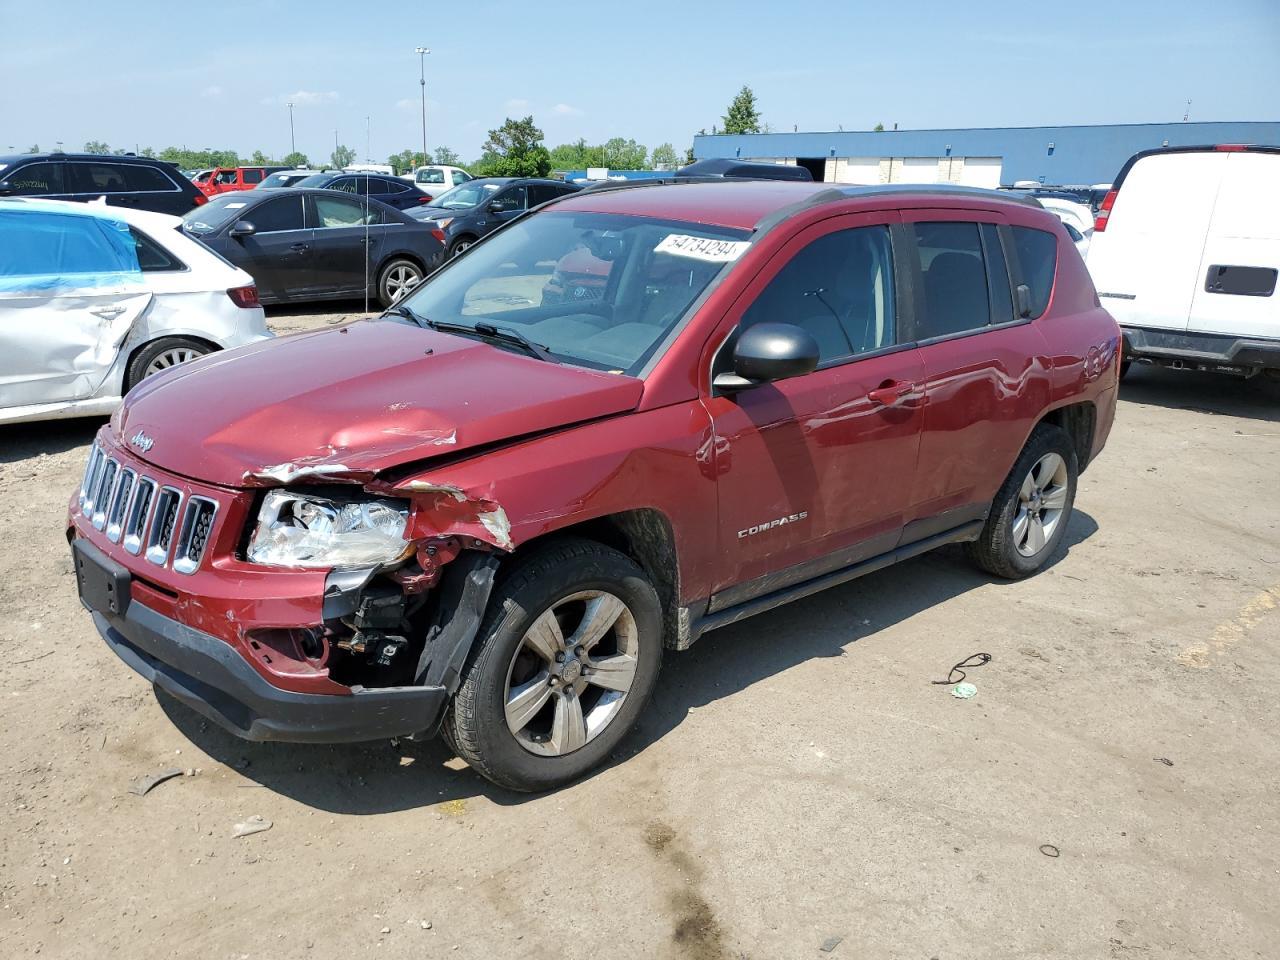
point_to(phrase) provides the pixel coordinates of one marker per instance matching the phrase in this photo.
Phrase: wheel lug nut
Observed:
(559, 658)
(578, 651)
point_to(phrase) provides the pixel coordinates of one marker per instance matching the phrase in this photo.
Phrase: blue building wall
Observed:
(1078, 155)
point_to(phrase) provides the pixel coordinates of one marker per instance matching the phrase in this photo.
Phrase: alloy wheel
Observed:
(1041, 501)
(171, 358)
(571, 673)
(400, 280)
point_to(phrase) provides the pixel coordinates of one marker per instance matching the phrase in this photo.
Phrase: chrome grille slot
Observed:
(193, 537)
(90, 477)
(163, 523)
(119, 504)
(135, 524)
(102, 493)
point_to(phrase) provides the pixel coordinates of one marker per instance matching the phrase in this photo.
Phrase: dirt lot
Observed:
(1113, 790)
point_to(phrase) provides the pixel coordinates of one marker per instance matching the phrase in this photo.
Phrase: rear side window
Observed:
(153, 258)
(144, 179)
(253, 176)
(1038, 258)
(840, 289)
(954, 296)
(104, 178)
(38, 179)
(345, 184)
(283, 213)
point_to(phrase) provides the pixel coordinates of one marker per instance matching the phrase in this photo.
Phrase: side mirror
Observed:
(496, 207)
(242, 228)
(770, 351)
(1023, 293)
(7, 189)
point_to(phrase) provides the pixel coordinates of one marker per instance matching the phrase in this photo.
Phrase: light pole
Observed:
(422, 82)
(368, 140)
(293, 143)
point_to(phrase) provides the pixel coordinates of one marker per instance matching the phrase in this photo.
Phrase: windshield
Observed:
(467, 195)
(219, 211)
(283, 179)
(599, 290)
(315, 180)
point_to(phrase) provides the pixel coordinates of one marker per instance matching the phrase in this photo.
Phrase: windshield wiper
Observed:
(402, 311)
(487, 331)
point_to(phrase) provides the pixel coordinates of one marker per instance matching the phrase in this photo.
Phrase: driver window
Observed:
(513, 198)
(840, 289)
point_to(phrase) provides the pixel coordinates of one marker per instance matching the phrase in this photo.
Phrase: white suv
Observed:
(435, 179)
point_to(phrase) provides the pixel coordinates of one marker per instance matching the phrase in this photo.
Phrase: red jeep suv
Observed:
(487, 512)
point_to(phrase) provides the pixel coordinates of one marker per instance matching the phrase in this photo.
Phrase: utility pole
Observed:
(1186, 115)
(422, 82)
(293, 143)
(368, 140)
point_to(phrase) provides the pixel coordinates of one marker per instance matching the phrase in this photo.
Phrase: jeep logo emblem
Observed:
(142, 441)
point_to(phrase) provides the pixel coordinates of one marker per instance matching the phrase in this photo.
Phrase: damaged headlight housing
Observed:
(304, 530)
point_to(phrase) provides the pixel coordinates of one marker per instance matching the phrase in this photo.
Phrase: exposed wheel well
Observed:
(416, 261)
(646, 537)
(1078, 421)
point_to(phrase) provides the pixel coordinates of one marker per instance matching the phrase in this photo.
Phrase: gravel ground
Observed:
(1111, 791)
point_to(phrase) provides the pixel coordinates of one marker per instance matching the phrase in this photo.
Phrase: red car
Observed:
(226, 179)
(487, 512)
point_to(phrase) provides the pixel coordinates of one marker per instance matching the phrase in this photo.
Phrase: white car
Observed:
(435, 179)
(95, 298)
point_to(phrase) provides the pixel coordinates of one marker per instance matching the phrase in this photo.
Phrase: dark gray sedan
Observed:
(305, 244)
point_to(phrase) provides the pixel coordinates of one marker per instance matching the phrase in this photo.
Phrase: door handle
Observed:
(890, 392)
(371, 241)
(299, 246)
(108, 312)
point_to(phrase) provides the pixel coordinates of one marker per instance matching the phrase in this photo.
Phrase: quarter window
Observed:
(997, 275)
(1038, 258)
(38, 179)
(953, 297)
(840, 289)
(153, 258)
(143, 179)
(282, 213)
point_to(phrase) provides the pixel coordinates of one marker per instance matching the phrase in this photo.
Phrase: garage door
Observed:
(913, 170)
(981, 172)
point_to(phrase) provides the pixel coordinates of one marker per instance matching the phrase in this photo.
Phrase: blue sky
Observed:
(169, 73)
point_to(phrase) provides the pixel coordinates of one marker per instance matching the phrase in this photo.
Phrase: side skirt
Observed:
(749, 608)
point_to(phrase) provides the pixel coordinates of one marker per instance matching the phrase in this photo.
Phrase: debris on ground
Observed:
(964, 691)
(830, 944)
(977, 660)
(1049, 850)
(144, 785)
(250, 826)
(1165, 760)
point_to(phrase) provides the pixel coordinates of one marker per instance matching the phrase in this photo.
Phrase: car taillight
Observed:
(438, 234)
(1231, 148)
(1104, 211)
(201, 198)
(425, 198)
(244, 296)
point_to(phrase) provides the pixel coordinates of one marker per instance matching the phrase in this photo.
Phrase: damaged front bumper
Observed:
(211, 677)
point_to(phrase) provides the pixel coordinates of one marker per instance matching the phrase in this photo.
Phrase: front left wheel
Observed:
(563, 666)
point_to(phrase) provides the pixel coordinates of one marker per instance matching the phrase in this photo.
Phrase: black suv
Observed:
(478, 207)
(140, 182)
(392, 191)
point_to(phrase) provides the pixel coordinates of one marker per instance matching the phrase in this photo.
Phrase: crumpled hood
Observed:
(348, 402)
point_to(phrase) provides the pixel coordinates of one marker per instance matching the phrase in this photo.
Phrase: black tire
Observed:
(996, 550)
(1124, 368)
(459, 246)
(475, 724)
(154, 353)
(392, 279)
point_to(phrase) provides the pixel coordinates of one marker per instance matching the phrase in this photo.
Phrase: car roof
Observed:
(101, 211)
(744, 204)
(112, 157)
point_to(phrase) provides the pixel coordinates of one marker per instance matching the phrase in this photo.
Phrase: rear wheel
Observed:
(460, 246)
(396, 280)
(1029, 515)
(161, 355)
(563, 666)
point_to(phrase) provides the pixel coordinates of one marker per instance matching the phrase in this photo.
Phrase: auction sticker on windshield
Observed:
(702, 248)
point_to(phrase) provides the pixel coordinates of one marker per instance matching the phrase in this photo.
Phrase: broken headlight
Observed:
(302, 530)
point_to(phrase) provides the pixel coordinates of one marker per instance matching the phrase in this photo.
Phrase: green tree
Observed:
(259, 157)
(664, 157)
(515, 150)
(446, 157)
(148, 152)
(743, 115)
(620, 154)
(296, 159)
(96, 146)
(878, 128)
(576, 156)
(341, 156)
